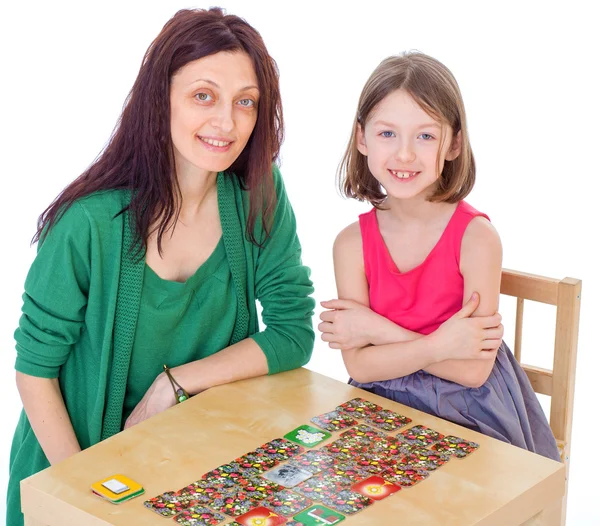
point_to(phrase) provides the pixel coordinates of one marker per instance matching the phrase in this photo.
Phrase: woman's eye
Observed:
(426, 136)
(203, 97)
(247, 103)
(387, 134)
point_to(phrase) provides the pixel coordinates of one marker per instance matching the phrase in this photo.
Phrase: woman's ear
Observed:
(455, 147)
(361, 144)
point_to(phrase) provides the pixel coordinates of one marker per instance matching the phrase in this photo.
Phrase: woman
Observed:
(157, 253)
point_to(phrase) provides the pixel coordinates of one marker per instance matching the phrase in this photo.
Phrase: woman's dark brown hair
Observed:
(139, 155)
(435, 90)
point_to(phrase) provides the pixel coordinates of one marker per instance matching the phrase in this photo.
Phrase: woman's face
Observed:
(214, 106)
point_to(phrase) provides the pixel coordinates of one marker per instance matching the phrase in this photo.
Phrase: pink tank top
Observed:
(426, 296)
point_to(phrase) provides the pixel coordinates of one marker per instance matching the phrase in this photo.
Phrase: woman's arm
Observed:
(53, 313)
(47, 414)
(283, 287)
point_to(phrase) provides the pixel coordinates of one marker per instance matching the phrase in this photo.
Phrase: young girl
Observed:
(418, 276)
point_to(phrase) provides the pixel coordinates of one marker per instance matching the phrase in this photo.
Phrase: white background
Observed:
(527, 71)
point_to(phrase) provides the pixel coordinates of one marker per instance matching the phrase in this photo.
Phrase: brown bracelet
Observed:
(181, 394)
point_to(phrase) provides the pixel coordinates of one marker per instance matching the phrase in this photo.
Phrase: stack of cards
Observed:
(117, 489)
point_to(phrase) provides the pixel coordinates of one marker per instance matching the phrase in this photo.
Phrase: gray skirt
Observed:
(505, 407)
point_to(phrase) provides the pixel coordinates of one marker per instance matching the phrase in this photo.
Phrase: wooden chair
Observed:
(559, 382)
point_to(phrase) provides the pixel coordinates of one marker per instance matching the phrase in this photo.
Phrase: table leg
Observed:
(550, 516)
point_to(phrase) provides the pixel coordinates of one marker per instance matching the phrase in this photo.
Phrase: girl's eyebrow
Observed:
(213, 83)
(431, 124)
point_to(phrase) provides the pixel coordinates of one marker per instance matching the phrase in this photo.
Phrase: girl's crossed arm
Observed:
(481, 268)
(452, 352)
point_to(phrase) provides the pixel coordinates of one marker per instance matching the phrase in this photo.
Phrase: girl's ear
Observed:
(361, 144)
(455, 147)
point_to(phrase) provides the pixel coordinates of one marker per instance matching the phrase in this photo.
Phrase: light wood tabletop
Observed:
(497, 485)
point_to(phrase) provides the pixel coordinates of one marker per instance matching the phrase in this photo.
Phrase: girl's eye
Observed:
(247, 103)
(387, 134)
(426, 136)
(202, 97)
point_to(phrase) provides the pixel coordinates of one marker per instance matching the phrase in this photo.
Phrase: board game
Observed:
(375, 454)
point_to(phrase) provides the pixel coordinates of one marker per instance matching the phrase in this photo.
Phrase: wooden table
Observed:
(497, 485)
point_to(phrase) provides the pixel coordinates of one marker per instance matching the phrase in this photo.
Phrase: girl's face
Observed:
(401, 142)
(214, 106)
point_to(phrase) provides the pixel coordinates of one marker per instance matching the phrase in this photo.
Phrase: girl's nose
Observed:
(405, 153)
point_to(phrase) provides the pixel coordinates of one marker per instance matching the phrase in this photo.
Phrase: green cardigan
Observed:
(85, 285)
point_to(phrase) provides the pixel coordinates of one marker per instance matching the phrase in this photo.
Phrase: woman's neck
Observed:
(197, 188)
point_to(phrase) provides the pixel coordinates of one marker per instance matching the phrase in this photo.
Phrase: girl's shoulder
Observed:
(348, 248)
(349, 237)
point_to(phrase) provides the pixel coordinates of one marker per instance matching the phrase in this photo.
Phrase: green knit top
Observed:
(180, 322)
(83, 292)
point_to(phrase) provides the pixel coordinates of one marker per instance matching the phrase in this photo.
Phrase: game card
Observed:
(358, 407)
(374, 462)
(258, 461)
(346, 501)
(404, 475)
(288, 502)
(344, 450)
(280, 449)
(388, 446)
(225, 476)
(362, 430)
(234, 505)
(425, 459)
(260, 488)
(199, 516)
(168, 504)
(344, 471)
(456, 446)
(420, 436)
(314, 488)
(260, 516)
(375, 487)
(197, 492)
(318, 516)
(308, 436)
(313, 461)
(288, 475)
(334, 421)
(387, 420)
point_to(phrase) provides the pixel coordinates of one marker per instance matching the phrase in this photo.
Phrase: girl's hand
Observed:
(351, 325)
(158, 397)
(462, 337)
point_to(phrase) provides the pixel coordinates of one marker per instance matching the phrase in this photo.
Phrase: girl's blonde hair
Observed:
(435, 90)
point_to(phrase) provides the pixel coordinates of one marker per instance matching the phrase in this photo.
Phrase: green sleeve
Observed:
(283, 287)
(55, 298)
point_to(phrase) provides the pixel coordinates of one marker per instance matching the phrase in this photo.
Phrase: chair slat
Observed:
(540, 378)
(519, 328)
(529, 286)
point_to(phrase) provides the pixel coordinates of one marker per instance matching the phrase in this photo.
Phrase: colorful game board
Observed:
(281, 482)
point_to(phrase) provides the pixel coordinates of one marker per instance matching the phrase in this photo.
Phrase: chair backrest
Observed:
(559, 382)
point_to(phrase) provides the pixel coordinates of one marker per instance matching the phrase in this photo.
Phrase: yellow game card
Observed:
(117, 488)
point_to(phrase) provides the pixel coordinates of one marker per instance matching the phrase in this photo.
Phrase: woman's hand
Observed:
(158, 397)
(462, 337)
(351, 325)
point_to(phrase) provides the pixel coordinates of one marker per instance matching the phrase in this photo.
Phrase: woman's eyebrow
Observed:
(213, 83)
